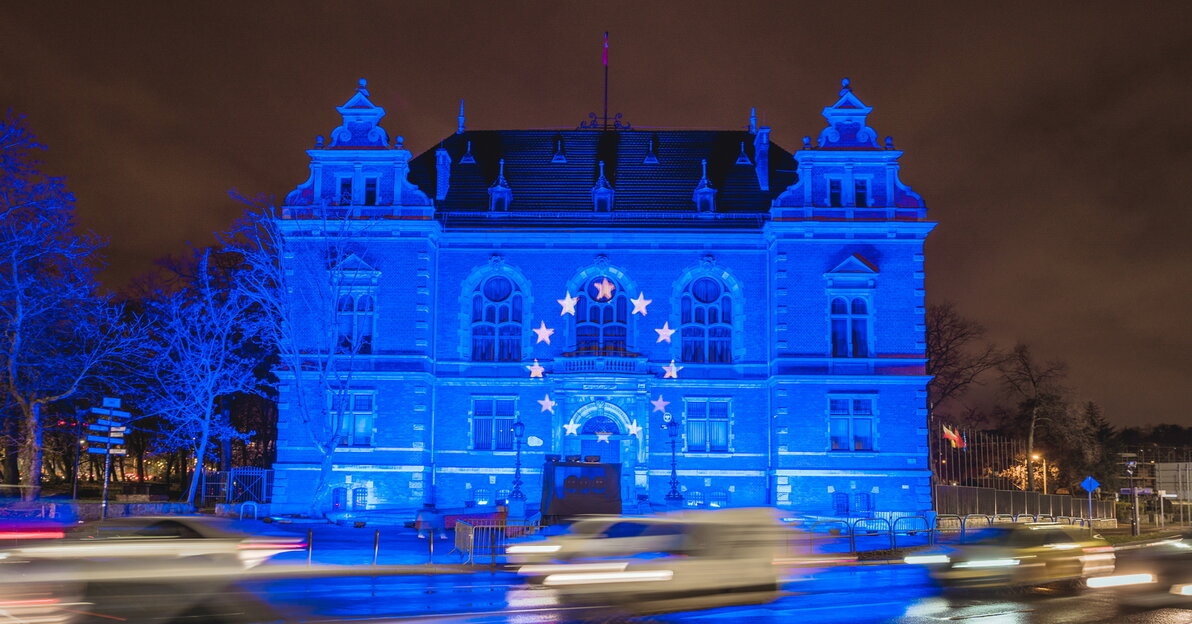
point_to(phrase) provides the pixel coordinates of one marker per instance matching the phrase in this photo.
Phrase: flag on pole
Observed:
(953, 437)
(604, 54)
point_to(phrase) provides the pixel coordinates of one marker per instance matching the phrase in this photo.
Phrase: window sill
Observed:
(844, 451)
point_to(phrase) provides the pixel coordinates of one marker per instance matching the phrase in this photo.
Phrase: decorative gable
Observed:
(855, 272)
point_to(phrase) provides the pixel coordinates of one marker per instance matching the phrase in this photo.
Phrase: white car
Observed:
(674, 562)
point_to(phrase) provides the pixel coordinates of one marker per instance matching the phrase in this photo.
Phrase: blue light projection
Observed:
(769, 302)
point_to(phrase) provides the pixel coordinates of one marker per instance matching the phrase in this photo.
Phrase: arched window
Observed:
(707, 317)
(497, 321)
(850, 327)
(354, 317)
(602, 318)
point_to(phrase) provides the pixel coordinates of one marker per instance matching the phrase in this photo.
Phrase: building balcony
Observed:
(607, 362)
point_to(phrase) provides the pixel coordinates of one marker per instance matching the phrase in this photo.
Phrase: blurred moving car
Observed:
(1159, 575)
(146, 568)
(682, 561)
(159, 538)
(1007, 555)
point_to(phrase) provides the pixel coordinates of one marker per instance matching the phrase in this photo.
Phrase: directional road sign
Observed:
(107, 423)
(104, 451)
(1089, 484)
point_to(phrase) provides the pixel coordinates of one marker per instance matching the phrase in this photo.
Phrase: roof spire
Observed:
(753, 120)
(742, 157)
(363, 87)
(459, 128)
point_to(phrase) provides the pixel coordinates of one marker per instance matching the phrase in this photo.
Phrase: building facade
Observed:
(518, 297)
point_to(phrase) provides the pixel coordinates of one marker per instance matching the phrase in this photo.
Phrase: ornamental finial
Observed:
(363, 86)
(844, 87)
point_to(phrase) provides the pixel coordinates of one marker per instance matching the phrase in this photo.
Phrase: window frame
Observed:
(852, 415)
(849, 319)
(618, 307)
(507, 328)
(493, 442)
(691, 309)
(361, 323)
(348, 421)
(693, 443)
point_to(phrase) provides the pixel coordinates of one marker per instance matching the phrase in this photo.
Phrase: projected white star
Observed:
(634, 428)
(672, 371)
(639, 304)
(664, 334)
(547, 404)
(604, 289)
(568, 303)
(536, 370)
(602, 437)
(543, 333)
(659, 404)
(572, 428)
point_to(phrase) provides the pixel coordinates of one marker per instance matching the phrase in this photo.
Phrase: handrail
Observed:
(870, 530)
(926, 527)
(852, 541)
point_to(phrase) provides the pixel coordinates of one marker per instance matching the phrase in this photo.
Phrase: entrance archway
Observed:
(605, 431)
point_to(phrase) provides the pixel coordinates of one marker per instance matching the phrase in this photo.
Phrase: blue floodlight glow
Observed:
(668, 317)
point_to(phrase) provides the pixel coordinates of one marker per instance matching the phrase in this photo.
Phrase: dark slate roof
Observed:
(540, 185)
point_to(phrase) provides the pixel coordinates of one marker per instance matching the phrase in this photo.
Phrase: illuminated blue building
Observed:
(591, 283)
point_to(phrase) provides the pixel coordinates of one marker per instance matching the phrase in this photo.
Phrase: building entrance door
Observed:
(599, 440)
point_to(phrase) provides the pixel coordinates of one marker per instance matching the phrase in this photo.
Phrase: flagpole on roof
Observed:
(604, 59)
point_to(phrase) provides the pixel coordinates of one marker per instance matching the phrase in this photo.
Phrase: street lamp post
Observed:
(519, 430)
(1044, 460)
(674, 496)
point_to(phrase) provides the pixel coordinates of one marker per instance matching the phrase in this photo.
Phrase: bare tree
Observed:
(1038, 388)
(293, 277)
(57, 332)
(957, 356)
(203, 350)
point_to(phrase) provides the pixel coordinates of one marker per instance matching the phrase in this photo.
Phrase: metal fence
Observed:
(477, 539)
(961, 500)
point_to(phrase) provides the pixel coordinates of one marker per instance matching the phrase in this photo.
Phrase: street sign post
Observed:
(1089, 484)
(109, 432)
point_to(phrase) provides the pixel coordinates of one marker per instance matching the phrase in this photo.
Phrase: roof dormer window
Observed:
(861, 193)
(559, 156)
(834, 192)
(344, 198)
(499, 194)
(602, 192)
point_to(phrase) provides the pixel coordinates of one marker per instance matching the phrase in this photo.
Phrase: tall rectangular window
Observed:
(861, 193)
(492, 424)
(850, 327)
(354, 412)
(345, 191)
(850, 424)
(834, 192)
(370, 191)
(707, 423)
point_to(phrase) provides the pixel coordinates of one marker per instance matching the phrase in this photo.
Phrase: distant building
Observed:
(591, 283)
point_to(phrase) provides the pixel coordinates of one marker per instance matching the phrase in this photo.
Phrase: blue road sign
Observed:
(1089, 484)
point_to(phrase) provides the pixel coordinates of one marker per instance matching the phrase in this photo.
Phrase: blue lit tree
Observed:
(205, 347)
(58, 333)
(314, 354)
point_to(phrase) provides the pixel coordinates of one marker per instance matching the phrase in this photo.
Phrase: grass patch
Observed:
(1145, 537)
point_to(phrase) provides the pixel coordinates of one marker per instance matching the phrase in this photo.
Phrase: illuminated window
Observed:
(370, 191)
(481, 497)
(693, 498)
(834, 192)
(718, 500)
(360, 498)
(355, 316)
(862, 503)
(706, 316)
(850, 327)
(354, 412)
(850, 424)
(840, 503)
(707, 424)
(602, 318)
(492, 424)
(861, 193)
(497, 321)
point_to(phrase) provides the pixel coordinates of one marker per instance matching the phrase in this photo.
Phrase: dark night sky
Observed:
(1047, 138)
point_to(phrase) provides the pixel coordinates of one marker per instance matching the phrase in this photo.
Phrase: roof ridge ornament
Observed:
(360, 121)
(651, 151)
(559, 156)
(847, 126)
(461, 119)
